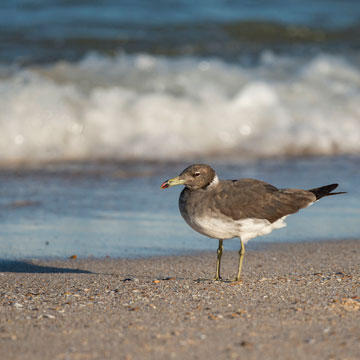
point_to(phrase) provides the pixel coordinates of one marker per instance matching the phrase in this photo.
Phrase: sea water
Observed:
(119, 210)
(101, 102)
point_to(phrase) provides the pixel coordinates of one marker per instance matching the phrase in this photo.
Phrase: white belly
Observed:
(226, 228)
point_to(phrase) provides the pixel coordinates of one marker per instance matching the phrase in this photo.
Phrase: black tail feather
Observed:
(325, 191)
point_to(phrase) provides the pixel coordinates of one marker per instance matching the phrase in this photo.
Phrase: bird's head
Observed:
(193, 177)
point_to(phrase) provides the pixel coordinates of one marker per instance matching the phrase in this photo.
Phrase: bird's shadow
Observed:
(30, 268)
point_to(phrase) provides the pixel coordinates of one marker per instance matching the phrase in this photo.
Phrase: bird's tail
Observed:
(325, 191)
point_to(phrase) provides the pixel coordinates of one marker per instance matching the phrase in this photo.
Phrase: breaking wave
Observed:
(154, 107)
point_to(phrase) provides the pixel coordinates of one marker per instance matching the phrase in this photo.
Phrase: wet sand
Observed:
(296, 301)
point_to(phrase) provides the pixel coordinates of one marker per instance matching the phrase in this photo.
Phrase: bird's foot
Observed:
(236, 280)
(217, 278)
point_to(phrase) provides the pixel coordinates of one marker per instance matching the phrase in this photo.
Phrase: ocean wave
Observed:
(155, 107)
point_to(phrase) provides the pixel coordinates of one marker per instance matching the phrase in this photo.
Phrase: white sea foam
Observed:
(142, 106)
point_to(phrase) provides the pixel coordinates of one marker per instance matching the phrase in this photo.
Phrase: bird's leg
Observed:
(218, 260)
(241, 258)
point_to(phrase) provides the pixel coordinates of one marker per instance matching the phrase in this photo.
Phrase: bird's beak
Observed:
(172, 182)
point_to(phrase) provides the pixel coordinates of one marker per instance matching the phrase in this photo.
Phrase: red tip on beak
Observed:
(165, 184)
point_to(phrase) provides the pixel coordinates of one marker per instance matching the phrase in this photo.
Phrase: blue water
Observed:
(43, 31)
(100, 101)
(119, 210)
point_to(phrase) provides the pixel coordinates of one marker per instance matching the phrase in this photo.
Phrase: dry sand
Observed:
(296, 301)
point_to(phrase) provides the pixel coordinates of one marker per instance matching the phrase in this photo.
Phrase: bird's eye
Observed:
(197, 174)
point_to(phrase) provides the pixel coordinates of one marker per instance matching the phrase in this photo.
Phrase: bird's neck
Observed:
(214, 182)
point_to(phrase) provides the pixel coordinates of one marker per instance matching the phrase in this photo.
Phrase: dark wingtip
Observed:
(338, 193)
(326, 191)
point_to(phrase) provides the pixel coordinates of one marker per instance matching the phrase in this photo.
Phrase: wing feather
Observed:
(250, 198)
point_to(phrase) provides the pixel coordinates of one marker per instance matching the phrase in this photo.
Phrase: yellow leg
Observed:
(218, 260)
(241, 258)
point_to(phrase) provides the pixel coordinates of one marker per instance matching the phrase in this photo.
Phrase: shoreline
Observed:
(296, 300)
(257, 245)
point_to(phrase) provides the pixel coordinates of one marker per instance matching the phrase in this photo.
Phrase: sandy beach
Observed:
(296, 301)
(102, 102)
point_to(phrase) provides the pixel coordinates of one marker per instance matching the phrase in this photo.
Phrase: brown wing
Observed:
(249, 198)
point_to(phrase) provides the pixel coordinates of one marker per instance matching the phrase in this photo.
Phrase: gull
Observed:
(245, 208)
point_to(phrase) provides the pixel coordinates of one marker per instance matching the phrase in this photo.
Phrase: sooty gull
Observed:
(245, 208)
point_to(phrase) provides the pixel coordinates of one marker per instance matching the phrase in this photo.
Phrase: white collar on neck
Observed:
(214, 182)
